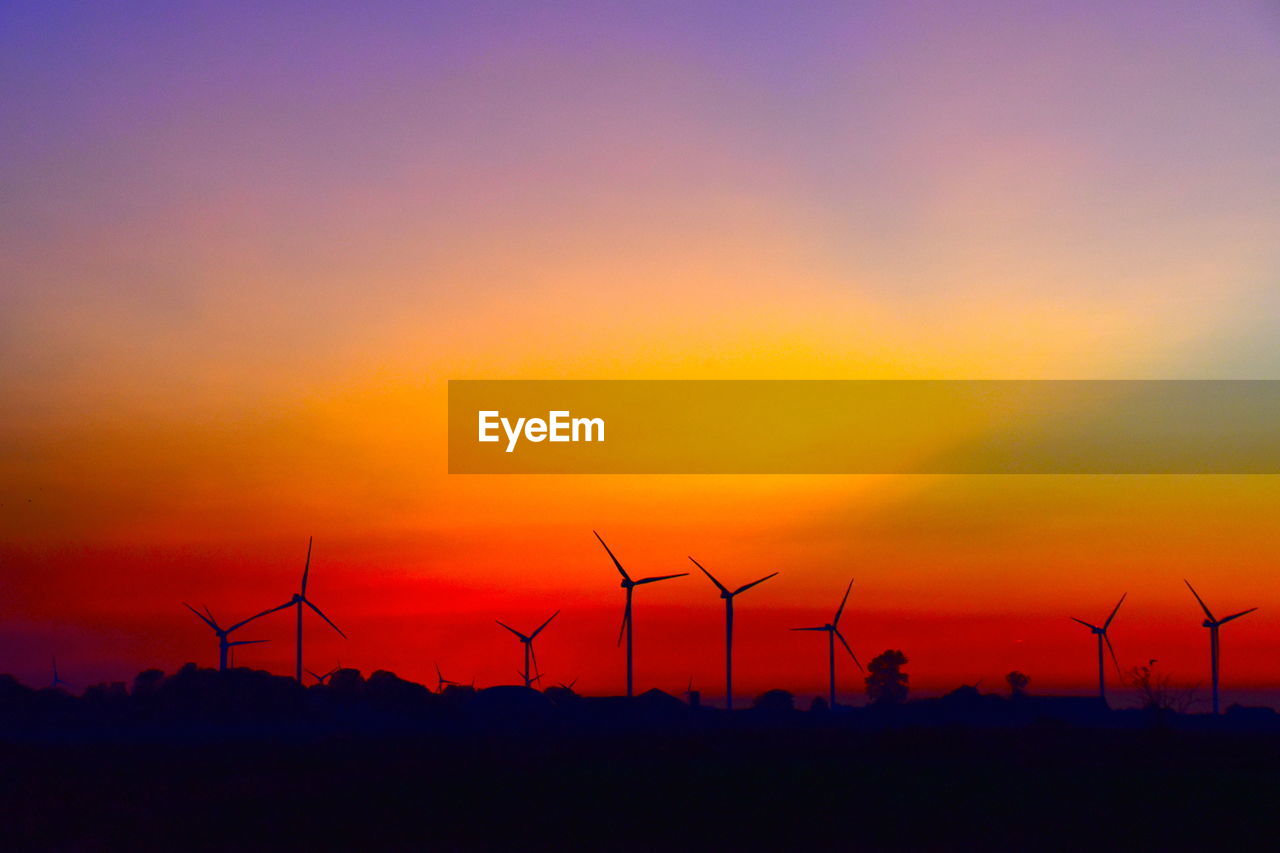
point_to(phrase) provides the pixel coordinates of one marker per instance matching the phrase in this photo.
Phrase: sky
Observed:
(243, 248)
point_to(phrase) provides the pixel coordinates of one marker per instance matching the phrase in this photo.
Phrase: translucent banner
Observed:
(864, 427)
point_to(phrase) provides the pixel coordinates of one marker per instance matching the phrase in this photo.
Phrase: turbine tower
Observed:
(1213, 625)
(728, 627)
(629, 585)
(224, 642)
(1103, 638)
(57, 680)
(833, 633)
(299, 599)
(530, 674)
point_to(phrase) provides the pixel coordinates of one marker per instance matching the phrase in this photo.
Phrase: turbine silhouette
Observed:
(322, 679)
(57, 680)
(1213, 625)
(441, 681)
(225, 644)
(629, 585)
(1103, 638)
(693, 697)
(299, 599)
(728, 597)
(833, 633)
(533, 674)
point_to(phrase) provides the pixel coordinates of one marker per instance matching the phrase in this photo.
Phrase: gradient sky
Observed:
(243, 248)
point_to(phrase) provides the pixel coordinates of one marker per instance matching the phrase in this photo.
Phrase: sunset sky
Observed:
(244, 246)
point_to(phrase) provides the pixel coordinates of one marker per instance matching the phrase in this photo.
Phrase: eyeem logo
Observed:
(865, 426)
(558, 426)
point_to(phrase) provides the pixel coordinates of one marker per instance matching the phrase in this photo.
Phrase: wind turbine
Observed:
(57, 681)
(1213, 625)
(728, 627)
(321, 679)
(441, 681)
(1103, 638)
(833, 632)
(629, 585)
(693, 697)
(529, 675)
(298, 600)
(225, 644)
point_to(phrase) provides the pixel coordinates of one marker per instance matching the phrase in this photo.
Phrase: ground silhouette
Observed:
(245, 760)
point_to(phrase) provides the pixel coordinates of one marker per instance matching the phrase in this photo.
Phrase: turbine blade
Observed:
(626, 620)
(260, 615)
(711, 576)
(306, 569)
(245, 642)
(747, 586)
(533, 656)
(1084, 623)
(1114, 659)
(544, 624)
(320, 613)
(661, 578)
(1203, 606)
(820, 628)
(845, 643)
(1107, 624)
(439, 674)
(316, 677)
(621, 570)
(203, 618)
(512, 630)
(1226, 619)
(843, 601)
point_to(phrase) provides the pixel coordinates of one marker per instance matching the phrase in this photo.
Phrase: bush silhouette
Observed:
(775, 702)
(1017, 682)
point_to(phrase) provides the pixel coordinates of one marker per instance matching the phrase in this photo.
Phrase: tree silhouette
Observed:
(1158, 692)
(887, 683)
(1017, 682)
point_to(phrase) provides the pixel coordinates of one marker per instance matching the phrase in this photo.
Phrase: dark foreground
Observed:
(600, 777)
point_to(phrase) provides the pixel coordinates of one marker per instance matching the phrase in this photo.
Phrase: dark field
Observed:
(245, 760)
(752, 788)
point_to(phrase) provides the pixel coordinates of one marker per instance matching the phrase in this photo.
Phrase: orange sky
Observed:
(240, 259)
